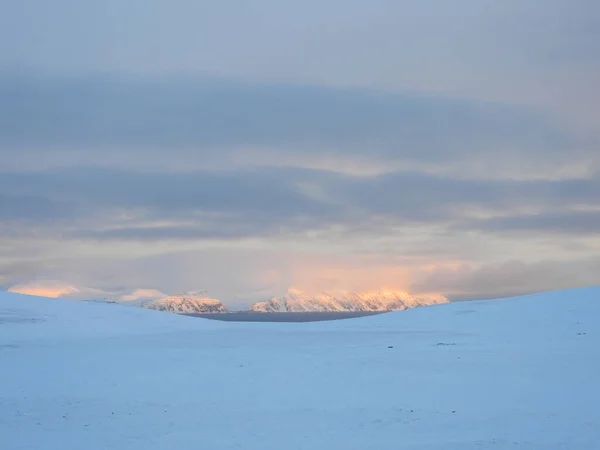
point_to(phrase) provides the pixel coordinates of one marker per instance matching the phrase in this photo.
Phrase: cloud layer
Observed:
(432, 148)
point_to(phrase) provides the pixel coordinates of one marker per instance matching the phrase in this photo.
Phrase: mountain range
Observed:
(191, 302)
(298, 301)
(186, 303)
(384, 300)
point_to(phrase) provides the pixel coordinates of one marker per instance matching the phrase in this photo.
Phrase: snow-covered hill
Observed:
(188, 303)
(298, 301)
(517, 373)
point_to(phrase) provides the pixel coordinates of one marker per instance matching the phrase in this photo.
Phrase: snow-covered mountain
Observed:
(186, 303)
(298, 301)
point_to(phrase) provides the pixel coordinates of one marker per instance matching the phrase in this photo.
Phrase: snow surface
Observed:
(515, 373)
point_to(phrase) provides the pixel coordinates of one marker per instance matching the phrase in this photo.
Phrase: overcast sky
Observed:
(245, 147)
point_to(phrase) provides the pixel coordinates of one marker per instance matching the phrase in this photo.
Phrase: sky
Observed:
(243, 148)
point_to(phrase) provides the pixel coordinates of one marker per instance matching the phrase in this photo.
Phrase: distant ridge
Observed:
(199, 302)
(187, 303)
(384, 300)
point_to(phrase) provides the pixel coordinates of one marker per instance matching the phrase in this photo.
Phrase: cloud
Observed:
(54, 289)
(61, 289)
(562, 222)
(511, 278)
(32, 207)
(246, 235)
(423, 141)
(510, 51)
(186, 124)
(121, 205)
(138, 295)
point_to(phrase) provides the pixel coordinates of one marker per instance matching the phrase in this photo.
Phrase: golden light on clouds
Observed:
(51, 289)
(363, 275)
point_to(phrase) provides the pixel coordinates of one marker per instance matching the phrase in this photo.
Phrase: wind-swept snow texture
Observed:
(519, 373)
